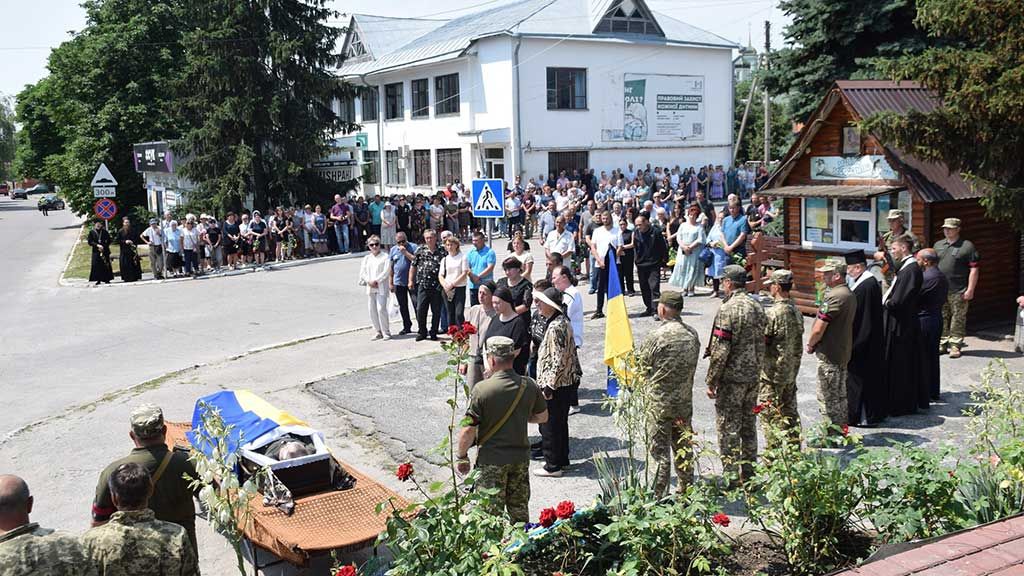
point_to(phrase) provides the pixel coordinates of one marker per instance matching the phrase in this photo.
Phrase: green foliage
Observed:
(974, 66)
(7, 139)
(256, 95)
(751, 145)
(831, 40)
(572, 546)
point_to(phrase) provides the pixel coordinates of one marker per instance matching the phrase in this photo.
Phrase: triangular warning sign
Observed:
(486, 201)
(103, 177)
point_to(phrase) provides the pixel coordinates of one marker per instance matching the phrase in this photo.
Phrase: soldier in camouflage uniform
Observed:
(958, 261)
(737, 352)
(831, 340)
(26, 549)
(783, 339)
(500, 407)
(897, 228)
(669, 356)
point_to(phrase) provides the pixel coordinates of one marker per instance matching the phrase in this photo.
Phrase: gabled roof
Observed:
(865, 98)
(400, 42)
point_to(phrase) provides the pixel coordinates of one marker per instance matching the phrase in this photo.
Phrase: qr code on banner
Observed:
(698, 128)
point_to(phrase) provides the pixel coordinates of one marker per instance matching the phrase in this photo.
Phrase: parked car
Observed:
(40, 189)
(51, 202)
(19, 193)
(5, 190)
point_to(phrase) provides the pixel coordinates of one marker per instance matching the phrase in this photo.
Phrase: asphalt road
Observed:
(62, 347)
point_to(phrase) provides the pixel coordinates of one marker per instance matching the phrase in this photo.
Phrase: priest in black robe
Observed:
(99, 239)
(866, 393)
(902, 351)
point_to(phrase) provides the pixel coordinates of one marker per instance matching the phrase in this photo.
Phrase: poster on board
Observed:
(659, 108)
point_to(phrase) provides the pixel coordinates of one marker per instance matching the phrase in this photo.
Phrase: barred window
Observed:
(421, 167)
(449, 165)
(396, 173)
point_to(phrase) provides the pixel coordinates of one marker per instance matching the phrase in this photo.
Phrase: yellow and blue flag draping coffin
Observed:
(250, 417)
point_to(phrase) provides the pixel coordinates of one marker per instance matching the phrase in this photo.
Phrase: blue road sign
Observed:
(489, 198)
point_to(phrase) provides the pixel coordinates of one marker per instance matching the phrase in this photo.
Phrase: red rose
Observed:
(565, 509)
(548, 517)
(404, 471)
(759, 408)
(346, 571)
(721, 519)
(468, 328)
(846, 430)
(453, 329)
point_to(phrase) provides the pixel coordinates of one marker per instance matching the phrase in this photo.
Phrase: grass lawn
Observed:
(81, 258)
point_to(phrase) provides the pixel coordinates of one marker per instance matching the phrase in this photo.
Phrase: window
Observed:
(371, 159)
(567, 88)
(568, 161)
(421, 167)
(420, 98)
(347, 109)
(394, 105)
(370, 103)
(396, 171)
(628, 17)
(446, 93)
(840, 223)
(449, 165)
(897, 200)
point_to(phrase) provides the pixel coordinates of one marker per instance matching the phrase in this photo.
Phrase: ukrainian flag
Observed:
(249, 415)
(618, 336)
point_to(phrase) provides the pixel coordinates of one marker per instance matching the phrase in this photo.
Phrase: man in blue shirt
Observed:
(735, 229)
(481, 260)
(375, 208)
(401, 255)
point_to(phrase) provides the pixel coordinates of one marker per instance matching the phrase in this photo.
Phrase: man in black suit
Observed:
(934, 289)
(902, 355)
(651, 253)
(866, 393)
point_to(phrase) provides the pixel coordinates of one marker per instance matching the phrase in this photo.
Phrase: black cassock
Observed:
(101, 270)
(866, 392)
(902, 359)
(131, 270)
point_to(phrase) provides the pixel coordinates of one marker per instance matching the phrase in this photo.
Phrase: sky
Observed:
(31, 28)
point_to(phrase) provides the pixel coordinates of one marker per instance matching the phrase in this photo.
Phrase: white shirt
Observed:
(453, 266)
(604, 238)
(375, 269)
(154, 235)
(573, 302)
(189, 238)
(560, 242)
(561, 202)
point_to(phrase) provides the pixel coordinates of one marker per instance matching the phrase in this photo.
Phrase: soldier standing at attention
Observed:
(26, 549)
(171, 500)
(831, 341)
(737, 352)
(500, 407)
(958, 261)
(669, 357)
(134, 542)
(897, 228)
(783, 339)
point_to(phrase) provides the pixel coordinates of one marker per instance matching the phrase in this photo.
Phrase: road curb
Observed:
(67, 261)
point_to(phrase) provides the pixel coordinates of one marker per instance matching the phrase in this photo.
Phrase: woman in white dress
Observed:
(388, 226)
(375, 274)
(690, 239)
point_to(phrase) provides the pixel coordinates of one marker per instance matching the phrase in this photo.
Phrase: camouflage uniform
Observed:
(669, 356)
(512, 481)
(135, 543)
(737, 352)
(956, 260)
(783, 337)
(31, 550)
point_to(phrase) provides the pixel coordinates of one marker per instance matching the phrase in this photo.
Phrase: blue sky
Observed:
(33, 27)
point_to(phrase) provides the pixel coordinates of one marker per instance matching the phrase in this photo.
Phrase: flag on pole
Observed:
(618, 336)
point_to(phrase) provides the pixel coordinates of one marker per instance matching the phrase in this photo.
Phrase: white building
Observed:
(534, 87)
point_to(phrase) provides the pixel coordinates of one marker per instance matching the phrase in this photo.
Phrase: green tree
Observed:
(109, 87)
(751, 145)
(978, 72)
(831, 40)
(257, 95)
(7, 139)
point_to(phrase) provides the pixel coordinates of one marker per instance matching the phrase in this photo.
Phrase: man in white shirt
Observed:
(630, 172)
(559, 240)
(607, 237)
(547, 220)
(154, 238)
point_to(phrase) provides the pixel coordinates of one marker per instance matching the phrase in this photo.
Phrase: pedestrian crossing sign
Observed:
(488, 198)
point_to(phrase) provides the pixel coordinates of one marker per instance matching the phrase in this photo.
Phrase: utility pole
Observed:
(767, 100)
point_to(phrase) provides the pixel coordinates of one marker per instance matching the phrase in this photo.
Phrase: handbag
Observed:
(706, 256)
(394, 311)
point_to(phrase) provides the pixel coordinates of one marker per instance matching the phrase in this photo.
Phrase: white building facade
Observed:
(532, 88)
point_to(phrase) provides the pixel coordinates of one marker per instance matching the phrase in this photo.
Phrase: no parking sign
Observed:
(105, 208)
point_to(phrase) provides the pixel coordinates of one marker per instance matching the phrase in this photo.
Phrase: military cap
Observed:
(672, 299)
(735, 273)
(895, 213)
(832, 265)
(855, 257)
(501, 346)
(951, 223)
(779, 276)
(147, 420)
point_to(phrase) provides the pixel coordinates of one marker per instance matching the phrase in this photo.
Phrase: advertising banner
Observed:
(153, 157)
(660, 108)
(851, 168)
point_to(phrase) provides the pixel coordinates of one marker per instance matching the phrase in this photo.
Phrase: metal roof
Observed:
(432, 41)
(832, 191)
